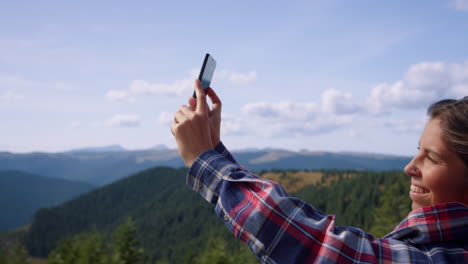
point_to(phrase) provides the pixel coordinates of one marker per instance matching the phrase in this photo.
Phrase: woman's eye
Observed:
(431, 159)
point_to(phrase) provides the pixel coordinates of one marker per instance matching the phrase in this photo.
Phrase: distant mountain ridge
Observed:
(110, 148)
(21, 194)
(113, 148)
(100, 166)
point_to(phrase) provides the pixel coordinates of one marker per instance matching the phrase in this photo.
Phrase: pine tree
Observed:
(64, 253)
(19, 255)
(91, 249)
(215, 253)
(81, 249)
(3, 257)
(127, 249)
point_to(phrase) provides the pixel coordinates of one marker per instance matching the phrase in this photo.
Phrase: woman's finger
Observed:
(201, 98)
(179, 117)
(173, 128)
(185, 110)
(213, 96)
(214, 99)
(193, 103)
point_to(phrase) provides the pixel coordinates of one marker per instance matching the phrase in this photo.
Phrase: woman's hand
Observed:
(192, 128)
(214, 114)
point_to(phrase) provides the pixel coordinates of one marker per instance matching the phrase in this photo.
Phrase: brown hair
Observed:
(453, 116)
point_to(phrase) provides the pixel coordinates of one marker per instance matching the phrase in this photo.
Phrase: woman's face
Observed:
(437, 174)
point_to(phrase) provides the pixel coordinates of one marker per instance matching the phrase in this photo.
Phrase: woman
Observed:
(282, 229)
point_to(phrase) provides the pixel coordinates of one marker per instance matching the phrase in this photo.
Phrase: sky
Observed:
(316, 75)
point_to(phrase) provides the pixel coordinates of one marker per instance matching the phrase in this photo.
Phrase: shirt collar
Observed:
(436, 223)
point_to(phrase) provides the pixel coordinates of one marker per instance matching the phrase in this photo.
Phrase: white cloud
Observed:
(166, 118)
(321, 124)
(4, 147)
(62, 86)
(235, 77)
(75, 124)
(123, 121)
(16, 82)
(177, 88)
(297, 128)
(233, 125)
(19, 82)
(10, 96)
(337, 102)
(230, 124)
(461, 5)
(298, 119)
(282, 110)
(423, 83)
(405, 126)
(119, 95)
(271, 119)
(354, 133)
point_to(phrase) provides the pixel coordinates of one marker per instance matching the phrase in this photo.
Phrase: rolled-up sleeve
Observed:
(279, 228)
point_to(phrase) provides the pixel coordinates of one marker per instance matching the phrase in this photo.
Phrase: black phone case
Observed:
(208, 64)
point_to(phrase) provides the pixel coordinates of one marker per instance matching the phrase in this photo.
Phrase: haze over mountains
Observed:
(103, 165)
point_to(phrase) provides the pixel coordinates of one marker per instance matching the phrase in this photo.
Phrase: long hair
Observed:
(453, 117)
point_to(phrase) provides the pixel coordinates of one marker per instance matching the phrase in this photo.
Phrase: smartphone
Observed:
(206, 73)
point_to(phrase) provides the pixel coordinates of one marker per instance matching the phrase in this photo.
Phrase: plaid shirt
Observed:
(279, 228)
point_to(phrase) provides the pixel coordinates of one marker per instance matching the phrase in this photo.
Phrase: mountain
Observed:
(176, 225)
(96, 168)
(159, 147)
(283, 159)
(21, 194)
(99, 168)
(111, 148)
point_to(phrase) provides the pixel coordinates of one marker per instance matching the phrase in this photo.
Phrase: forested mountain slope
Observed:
(21, 194)
(175, 224)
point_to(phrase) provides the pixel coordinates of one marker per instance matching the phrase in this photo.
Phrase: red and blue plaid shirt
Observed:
(279, 228)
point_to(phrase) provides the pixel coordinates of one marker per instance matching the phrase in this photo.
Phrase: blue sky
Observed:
(316, 75)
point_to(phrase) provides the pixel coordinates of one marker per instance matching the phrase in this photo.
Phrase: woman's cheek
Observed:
(443, 186)
(436, 184)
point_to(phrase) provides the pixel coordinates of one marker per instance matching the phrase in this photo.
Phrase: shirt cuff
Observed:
(207, 173)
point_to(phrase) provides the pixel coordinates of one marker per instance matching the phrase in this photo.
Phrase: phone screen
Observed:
(206, 72)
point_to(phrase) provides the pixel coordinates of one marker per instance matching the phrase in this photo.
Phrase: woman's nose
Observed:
(412, 168)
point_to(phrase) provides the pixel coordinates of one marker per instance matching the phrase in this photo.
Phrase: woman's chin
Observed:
(419, 200)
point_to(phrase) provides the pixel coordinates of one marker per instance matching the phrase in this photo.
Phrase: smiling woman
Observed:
(439, 172)
(279, 228)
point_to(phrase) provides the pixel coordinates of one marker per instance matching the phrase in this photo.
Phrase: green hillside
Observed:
(163, 209)
(21, 194)
(174, 224)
